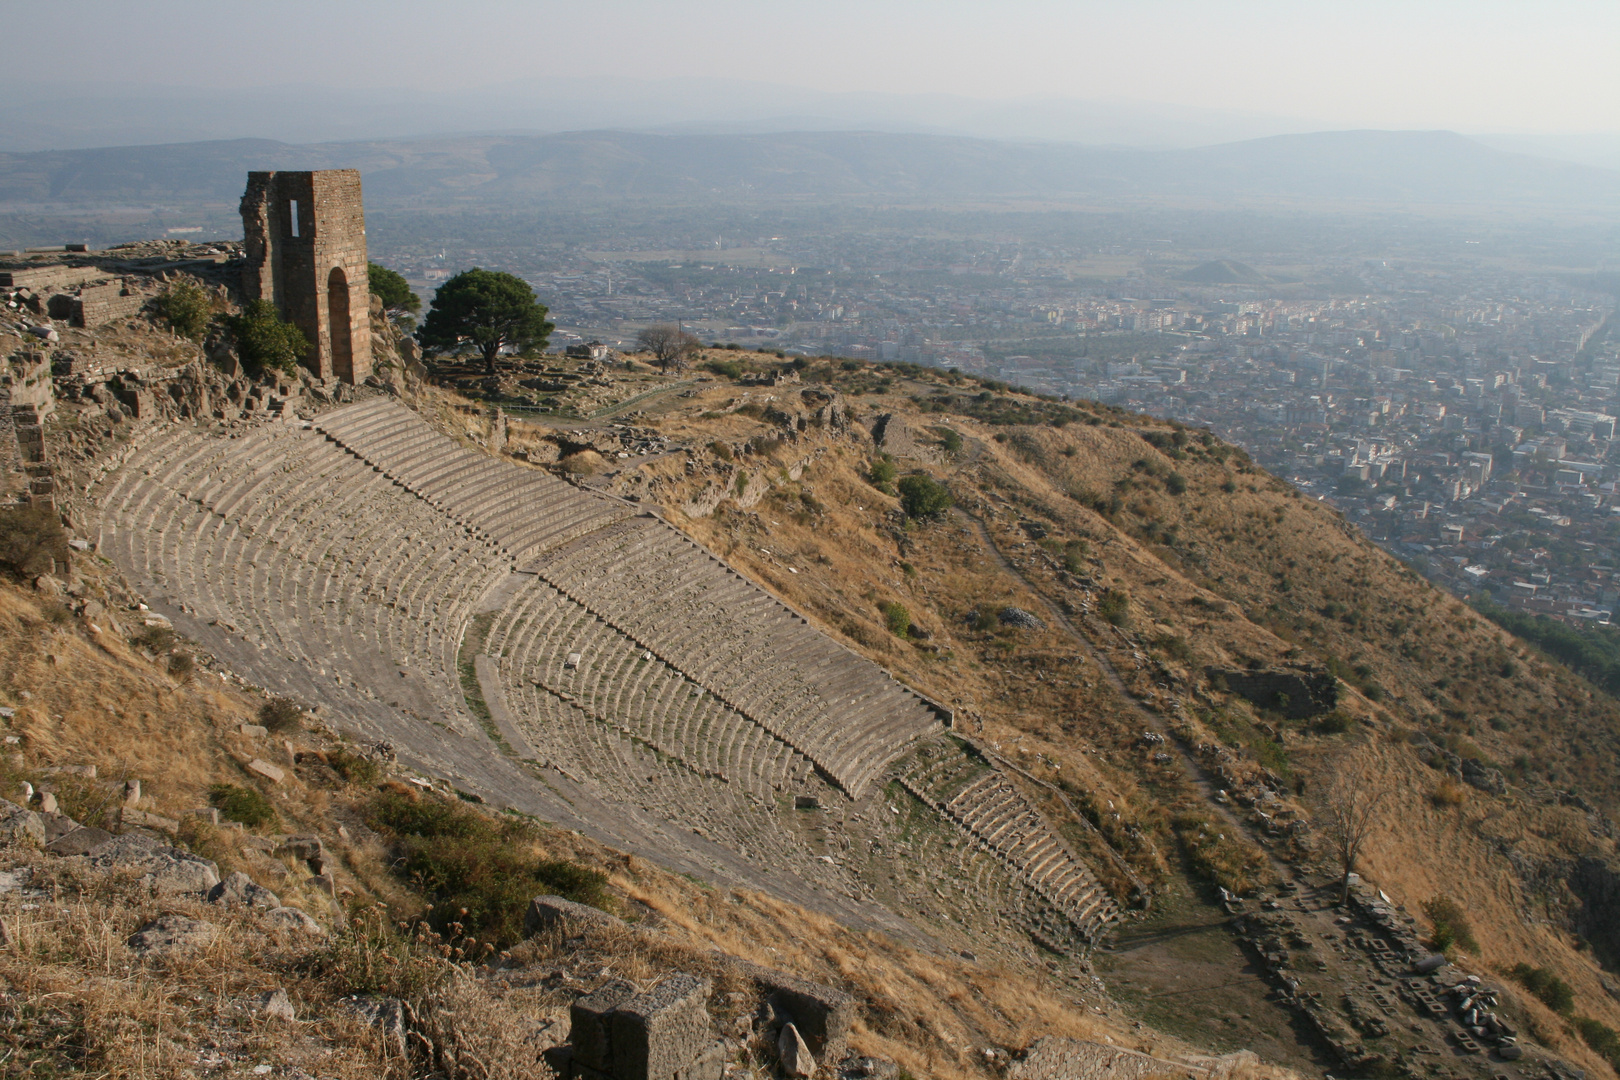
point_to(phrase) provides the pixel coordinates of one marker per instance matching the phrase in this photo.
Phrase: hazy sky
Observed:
(1478, 65)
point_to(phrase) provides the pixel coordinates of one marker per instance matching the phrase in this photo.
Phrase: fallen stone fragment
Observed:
(240, 890)
(545, 911)
(387, 1015)
(266, 770)
(79, 840)
(275, 1005)
(794, 1052)
(20, 826)
(165, 870)
(291, 918)
(169, 935)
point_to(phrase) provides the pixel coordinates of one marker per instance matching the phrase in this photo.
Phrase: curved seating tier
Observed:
(344, 561)
(522, 511)
(658, 588)
(981, 800)
(542, 637)
(627, 768)
(281, 537)
(696, 614)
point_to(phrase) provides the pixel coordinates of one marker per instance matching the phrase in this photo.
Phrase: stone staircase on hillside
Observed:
(983, 803)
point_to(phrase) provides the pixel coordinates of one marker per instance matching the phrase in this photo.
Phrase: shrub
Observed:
(1447, 794)
(1451, 926)
(187, 308)
(571, 881)
(181, 665)
(249, 806)
(353, 768)
(405, 815)
(720, 450)
(731, 369)
(1074, 556)
(1115, 606)
(1554, 992)
(392, 289)
(154, 639)
(897, 618)
(1174, 646)
(1601, 1038)
(373, 955)
(264, 340)
(953, 442)
(32, 541)
(476, 870)
(882, 473)
(280, 714)
(1175, 484)
(1334, 723)
(922, 496)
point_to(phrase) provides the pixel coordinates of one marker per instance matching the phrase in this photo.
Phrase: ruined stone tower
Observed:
(305, 236)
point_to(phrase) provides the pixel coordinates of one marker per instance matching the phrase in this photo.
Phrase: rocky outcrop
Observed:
(1298, 695)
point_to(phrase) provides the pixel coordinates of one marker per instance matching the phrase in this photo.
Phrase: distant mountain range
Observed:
(83, 114)
(1365, 168)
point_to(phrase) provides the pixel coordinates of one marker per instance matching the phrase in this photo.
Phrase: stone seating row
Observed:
(524, 511)
(957, 881)
(733, 638)
(991, 810)
(668, 594)
(631, 771)
(542, 636)
(309, 553)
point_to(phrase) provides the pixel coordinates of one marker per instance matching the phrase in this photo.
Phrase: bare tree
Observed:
(1348, 811)
(670, 345)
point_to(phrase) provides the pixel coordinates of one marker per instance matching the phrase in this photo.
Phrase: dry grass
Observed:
(74, 998)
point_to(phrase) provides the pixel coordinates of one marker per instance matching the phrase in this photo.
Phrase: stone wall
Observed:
(54, 276)
(97, 305)
(26, 398)
(304, 234)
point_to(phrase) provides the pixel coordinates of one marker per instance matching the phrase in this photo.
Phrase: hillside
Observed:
(986, 768)
(1360, 167)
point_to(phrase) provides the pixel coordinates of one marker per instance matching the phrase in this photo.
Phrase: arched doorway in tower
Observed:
(340, 331)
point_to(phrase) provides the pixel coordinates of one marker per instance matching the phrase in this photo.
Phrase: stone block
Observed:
(20, 825)
(822, 1014)
(131, 816)
(266, 770)
(590, 1031)
(139, 402)
(545, 911)
(656, 1035)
